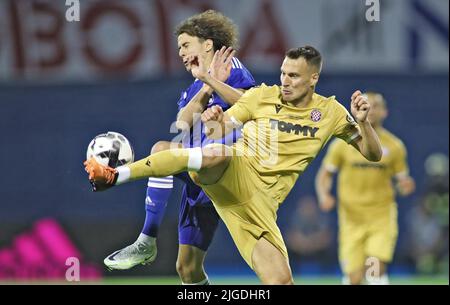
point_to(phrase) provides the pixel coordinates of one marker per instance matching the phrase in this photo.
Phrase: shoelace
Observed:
(110, 175)
(134, 249)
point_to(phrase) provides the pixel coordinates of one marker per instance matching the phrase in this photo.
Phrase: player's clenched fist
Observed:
(359, 106)
(212, 118)
(215, 113)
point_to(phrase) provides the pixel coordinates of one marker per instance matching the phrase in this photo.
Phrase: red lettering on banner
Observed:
(53, 35)
(18, 49)
(265, 36)
(37, 25)
(99, 11)
(165, 34)
(166, 9)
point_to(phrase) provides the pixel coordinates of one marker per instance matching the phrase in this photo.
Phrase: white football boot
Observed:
(140, 252)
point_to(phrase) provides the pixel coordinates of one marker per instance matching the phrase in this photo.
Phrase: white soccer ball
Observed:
(112, 149)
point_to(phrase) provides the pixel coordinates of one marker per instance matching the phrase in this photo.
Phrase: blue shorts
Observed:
(197, 222)
(194, 193)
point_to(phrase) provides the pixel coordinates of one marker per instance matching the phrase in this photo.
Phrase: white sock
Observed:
(143, 238)
(382, 280)
(195, 159)
(123, 174)
(345, 280)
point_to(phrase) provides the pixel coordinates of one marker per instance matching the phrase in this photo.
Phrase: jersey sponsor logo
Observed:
(293, 117)
(370, 165)
(294, 128)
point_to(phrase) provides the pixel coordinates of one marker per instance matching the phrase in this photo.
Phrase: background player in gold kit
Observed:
(285, 127)
(367, 209)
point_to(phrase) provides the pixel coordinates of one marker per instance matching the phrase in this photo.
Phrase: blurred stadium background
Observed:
(61, 83)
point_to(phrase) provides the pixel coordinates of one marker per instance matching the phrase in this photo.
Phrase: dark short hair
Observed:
(211, 25)
(309, 53)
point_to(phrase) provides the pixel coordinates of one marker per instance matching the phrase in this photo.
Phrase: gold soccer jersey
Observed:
(278, 142)
(364, 186)
(281, 140)
(367, 209)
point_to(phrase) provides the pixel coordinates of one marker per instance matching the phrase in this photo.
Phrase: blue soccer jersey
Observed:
(240, 78)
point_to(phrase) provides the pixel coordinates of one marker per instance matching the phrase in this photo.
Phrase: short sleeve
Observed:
(240, 78)
(333, 159)
(400, 164)
(245, 107)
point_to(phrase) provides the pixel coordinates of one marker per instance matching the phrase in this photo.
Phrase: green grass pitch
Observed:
(242, 280)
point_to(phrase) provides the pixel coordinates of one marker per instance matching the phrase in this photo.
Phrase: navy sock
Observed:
(158, 193)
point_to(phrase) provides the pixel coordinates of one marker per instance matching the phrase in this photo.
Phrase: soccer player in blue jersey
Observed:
(204, 40)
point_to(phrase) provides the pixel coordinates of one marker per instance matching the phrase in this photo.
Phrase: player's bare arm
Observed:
(369, 143)
(185, 117)
(214, 80)
(218, 73)
(405, 185)
(323, 184)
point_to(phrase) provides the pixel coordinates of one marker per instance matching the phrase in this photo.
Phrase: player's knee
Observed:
(180, 268)
(187, 270)
(285, 279)
(282, 278)
(214, 155)
(160, 146)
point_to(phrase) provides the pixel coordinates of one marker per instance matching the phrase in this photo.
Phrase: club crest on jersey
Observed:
(316, 115)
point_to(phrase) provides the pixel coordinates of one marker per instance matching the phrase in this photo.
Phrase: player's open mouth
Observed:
(285, 92)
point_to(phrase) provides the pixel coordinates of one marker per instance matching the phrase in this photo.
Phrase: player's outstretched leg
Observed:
(210, 162)
(143, 250)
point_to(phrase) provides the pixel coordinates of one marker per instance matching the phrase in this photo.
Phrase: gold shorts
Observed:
(359, 241)
(246, 207)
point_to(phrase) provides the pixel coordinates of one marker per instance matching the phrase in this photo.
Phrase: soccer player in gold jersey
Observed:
(367, 209)
(285, 127)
